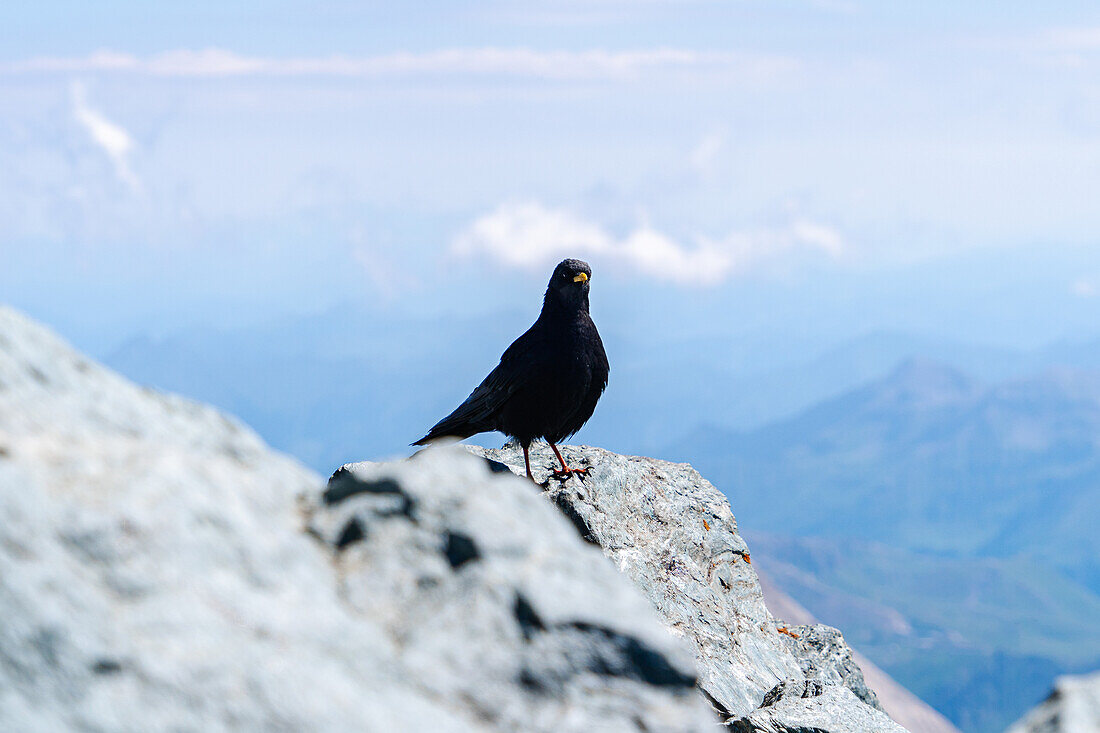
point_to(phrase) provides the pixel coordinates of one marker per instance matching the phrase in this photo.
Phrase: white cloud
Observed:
(529, 236)
(662, 258)
(526, 236)
(593, 64)
(111, 138)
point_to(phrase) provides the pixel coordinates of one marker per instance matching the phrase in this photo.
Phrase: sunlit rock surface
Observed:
(161, 569)
(808, 706)
(498, 605)
(673, 534)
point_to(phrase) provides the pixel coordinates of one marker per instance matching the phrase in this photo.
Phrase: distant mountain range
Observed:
(339, 385)
(930, 460)
(978, 639)
(948, 524)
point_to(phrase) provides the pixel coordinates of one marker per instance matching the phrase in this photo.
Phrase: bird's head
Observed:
(569, 285)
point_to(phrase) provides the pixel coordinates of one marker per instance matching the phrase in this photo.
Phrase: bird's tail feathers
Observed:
(444, 430)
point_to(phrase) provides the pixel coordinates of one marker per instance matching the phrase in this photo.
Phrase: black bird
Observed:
(548, 380)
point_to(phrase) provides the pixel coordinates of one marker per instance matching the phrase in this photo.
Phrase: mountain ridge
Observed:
(932, 461)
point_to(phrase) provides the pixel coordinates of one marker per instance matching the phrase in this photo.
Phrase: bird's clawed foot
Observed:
(564, 473)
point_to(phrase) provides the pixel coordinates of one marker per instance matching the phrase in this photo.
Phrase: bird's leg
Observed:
(565, 471)
(564, 468)
(527, 462)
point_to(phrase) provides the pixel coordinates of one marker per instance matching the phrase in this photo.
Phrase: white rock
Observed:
(799, 706)
(154, 574)
(1072, 707)
(497, 604)
(673, 534)
(157, 573)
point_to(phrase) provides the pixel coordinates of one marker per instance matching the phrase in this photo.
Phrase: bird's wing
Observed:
(475, 415)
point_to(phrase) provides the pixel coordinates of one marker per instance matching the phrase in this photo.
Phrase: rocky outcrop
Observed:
(161, 569)
(154, 574)
(498, 606)
(1072, 707)
(900, 704)
(809, 706)
(673, 534)
(824, 657)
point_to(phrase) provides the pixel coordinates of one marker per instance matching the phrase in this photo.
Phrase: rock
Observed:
(905, 708)
(154, 574)
(810, 706)
(499, 607)
(824, 657)
(1072, 707)
(674, 536)
(162, 569)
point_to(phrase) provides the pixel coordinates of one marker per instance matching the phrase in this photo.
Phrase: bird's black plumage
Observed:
(549, 380)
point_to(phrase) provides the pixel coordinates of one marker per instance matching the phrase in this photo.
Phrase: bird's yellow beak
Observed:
(581, 278)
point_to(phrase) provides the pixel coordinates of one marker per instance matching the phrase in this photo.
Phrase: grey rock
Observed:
(824, 656)
(154, 572)
(497, 605)
(674, 535)
(1072, 707)
(161, 569)
(905, 708)
(811, 706)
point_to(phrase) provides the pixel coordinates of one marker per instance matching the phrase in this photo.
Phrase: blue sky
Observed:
(815, 168)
